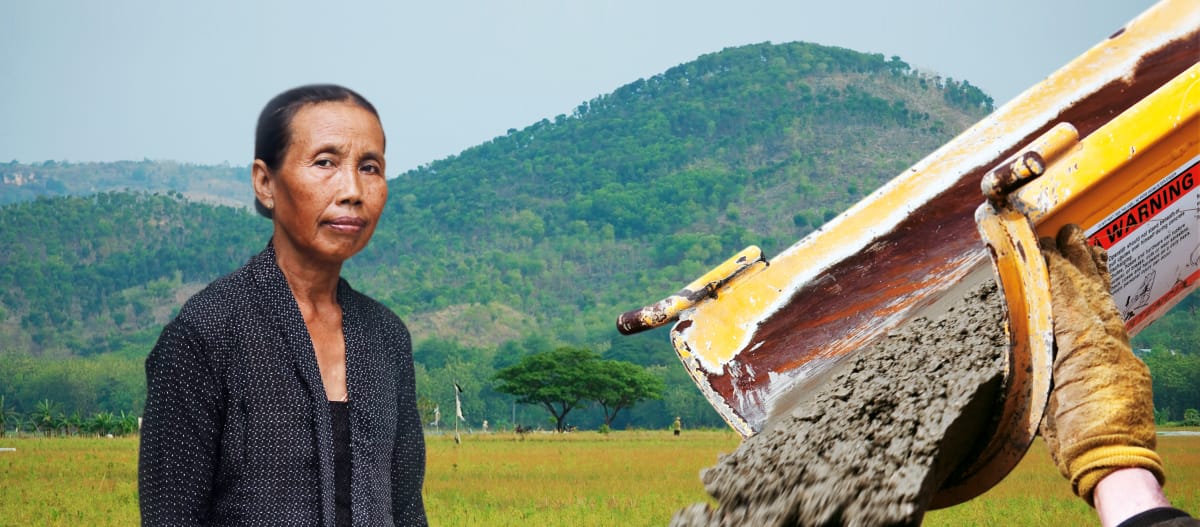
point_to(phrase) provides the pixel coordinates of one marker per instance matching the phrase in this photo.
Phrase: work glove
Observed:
(1100, 417)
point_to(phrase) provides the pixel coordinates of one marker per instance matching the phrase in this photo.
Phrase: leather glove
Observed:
(1100, 417)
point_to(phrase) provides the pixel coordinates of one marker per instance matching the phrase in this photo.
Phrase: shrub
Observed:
(1191, 417)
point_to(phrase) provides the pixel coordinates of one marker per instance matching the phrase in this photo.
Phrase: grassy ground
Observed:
(585, 478)
(68, 481)
(1036, 494)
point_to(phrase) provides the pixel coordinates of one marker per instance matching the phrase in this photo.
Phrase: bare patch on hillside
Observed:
(475, 325)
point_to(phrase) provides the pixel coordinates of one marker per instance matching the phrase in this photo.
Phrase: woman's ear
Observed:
(261, 177)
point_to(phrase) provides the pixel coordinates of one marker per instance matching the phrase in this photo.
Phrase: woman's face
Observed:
(330, 188)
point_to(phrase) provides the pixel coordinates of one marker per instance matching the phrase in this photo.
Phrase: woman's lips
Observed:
(347, 224)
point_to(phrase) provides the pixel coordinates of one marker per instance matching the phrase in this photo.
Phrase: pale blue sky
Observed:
(101, 81)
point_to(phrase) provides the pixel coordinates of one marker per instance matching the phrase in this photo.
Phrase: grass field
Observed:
(584, 478)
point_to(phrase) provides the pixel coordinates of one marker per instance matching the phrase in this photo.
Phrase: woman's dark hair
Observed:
(274, 131)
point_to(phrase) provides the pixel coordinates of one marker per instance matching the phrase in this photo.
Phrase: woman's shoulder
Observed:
(221, 298)
(217, 294)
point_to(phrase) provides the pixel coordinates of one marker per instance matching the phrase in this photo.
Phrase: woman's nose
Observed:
(349, 186)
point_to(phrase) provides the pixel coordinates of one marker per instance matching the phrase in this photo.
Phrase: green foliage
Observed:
(618, 385)
(47, 420)
(1177, 330)
(87, 384)
(558, 380)
(99, 269)
(567, 378)
(649, 348)
(45, 414)
(1191, 417)
(1173, 344)
(1176, 382)
(681, 398)
(439, 352)
(8, 415)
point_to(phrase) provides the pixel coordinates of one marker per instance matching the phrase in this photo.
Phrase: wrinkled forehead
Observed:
(339, 123)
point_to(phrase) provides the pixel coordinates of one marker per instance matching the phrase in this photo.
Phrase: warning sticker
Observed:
(1153, 244)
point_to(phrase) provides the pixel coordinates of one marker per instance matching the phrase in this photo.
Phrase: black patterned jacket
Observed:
(237, 427)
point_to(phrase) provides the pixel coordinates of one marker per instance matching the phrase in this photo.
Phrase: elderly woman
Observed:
(280, 395)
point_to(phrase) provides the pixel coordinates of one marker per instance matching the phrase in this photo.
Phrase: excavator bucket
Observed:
(1111, 142)
(1132, 186)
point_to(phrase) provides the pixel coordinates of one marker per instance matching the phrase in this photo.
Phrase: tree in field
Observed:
(1191, 417)
(61, 424)
(126, 424)
(102, 423)
(22, 424)
(8, 417)
(558, 380)
(74, 423)
(45, 416)
(618, 385)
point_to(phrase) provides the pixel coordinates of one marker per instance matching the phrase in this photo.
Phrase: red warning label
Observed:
(1153, 245)
(1146, 209)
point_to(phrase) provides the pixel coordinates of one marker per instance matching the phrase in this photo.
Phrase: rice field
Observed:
(583, 478)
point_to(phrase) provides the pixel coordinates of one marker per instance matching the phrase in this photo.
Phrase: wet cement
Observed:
(871, 445)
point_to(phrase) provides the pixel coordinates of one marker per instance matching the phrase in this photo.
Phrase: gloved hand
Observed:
(1100, 416)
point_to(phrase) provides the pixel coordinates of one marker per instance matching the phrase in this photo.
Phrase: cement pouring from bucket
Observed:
(1112, 134)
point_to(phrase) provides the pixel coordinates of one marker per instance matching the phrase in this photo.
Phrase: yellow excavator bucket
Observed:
(1111, 141)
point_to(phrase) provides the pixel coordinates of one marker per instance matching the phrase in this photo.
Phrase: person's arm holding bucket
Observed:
(1099, 423)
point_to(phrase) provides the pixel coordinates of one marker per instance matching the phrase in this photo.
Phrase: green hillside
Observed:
(88, 275)
(638, 191)
(536, 238)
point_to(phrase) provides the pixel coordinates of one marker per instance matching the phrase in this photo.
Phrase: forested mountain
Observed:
(86, 275)
(638, 191)
(536, 238)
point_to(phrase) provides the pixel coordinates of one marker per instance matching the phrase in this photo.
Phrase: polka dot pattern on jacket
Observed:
(237, 428)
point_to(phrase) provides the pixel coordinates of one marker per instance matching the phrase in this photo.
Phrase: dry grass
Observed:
(585, 478)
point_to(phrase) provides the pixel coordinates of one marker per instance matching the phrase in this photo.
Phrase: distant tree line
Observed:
(48, 419)
(1171, 348)
(74, 396)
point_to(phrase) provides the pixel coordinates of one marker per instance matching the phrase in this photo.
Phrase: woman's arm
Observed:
(181, 432)
(408, 452)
